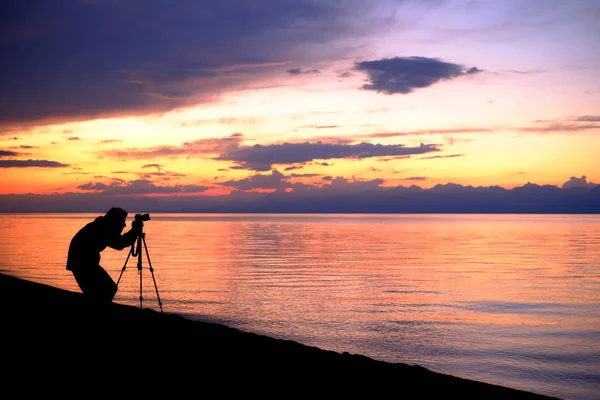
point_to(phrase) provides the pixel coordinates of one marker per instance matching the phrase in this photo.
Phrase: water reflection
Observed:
(509, 299)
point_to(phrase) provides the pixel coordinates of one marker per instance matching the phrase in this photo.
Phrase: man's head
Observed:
(115, 218)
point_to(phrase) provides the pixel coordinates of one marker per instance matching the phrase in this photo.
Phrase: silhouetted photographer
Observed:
(84, 252)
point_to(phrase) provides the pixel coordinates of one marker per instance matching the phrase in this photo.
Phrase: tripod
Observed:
(138, 253)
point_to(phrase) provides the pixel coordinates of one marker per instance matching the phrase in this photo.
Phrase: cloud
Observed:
(298, 71)
(162, 175)
(335, 195)
(262, 157)
(560, 127)
(76, 173)
(31, 163)
(319, 126)
(575, 182)
(341, 185)
(139, 187)
(157, 166)
(528, 72)
(223, 121)
(569, 125)
(448, 156)
(276, 180)
(82, 59)
(588, 118)
(8, 153)
(93, 186)
(380, 135)
(10, 130)
(405, 74)
(197, 147)
(423, 132)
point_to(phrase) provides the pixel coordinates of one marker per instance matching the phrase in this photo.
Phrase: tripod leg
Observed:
(152, 273)
(139, 264)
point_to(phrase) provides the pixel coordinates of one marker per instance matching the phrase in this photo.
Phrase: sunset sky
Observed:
(215, 98)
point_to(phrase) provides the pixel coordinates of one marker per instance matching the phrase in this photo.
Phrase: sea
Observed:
(512, 300)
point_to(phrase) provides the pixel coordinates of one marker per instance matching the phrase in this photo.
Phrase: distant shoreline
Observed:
(440, 199)
(99, 212)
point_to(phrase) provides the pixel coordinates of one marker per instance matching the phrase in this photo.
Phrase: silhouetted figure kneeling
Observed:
(84, 252)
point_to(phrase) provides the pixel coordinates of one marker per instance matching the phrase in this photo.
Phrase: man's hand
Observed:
(137, 226)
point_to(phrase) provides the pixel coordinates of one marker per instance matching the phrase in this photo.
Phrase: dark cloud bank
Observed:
(83, 58)
(340, 197)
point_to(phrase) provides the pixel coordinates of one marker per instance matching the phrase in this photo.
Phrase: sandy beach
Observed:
(57, 337)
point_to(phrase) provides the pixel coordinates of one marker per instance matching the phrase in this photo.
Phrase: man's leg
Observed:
(95, 283)
(106, 286)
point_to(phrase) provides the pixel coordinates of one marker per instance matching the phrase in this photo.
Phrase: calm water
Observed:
(506, 299)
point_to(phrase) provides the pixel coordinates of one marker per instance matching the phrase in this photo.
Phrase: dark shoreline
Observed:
(44, 327)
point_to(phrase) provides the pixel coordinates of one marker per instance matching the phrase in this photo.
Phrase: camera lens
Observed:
(142, 217)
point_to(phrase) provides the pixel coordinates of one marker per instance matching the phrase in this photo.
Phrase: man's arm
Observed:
(119, 242)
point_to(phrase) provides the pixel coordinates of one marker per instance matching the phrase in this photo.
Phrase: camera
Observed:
(142, 217)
